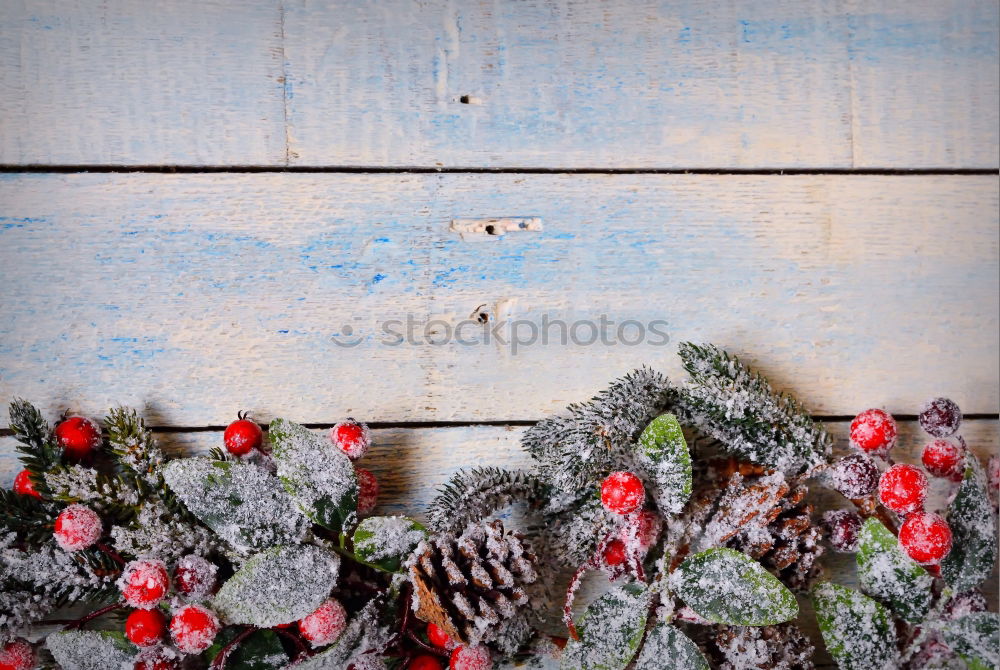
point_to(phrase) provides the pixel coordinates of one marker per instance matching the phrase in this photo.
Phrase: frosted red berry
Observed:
(648, 527)
(471, 658)
(854, 476)
(615, 553)
(78, 436)
(903, 489)
(324, 625)
(195, 576)
(18, 654)
(351, 437)
(193, 629)
(438, 637)
(156, 658)
(622, 492)
(367, 491)
(242, 436)
(874, 431)
(925, 537)
(842, 529)
(144, 583)
(940, 417)
(24, 486)
(425, 662)
(144, 628)
(943, 458)
(77, 528)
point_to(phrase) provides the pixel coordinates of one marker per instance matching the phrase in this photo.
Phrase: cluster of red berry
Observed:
(460, 657)
(623, 493)
(79, 438)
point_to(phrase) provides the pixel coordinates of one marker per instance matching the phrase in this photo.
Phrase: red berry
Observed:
(325, 625)
(77, 527)
(842, 529)
(425, 662)
(156, 658)
(622, 492)
(854, 476)
(874, 431)
(471, 658)
(194, 576)
(78, 436)
(944, 459)
(614, 553)
(18, 654)
(438, 637)
(367, 491)
(648, 526)
(144, 583)
(242, 436)
(903, 489)
(351, 437)
(940, 417)
(24, 486)
(964, 604)
(193, 629)
(925, 537)
(144, 628)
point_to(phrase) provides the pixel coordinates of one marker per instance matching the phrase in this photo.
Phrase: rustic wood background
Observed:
(202, 200)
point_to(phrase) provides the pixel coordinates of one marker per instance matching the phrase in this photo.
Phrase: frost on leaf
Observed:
(610, 631)
(858, 631)
(976, 637)
(244, 504)
(664, 644)
(384, 541)
(889, 575)
(973, 527)
(663, 453)
(277, 586)
(726, 586)
(368, 632)
(91, 650)
(318, 476)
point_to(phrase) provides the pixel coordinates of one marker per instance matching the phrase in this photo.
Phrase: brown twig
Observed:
(77, 623)
(300, 646)
(112, 553)
(223, 655)
(426, 647)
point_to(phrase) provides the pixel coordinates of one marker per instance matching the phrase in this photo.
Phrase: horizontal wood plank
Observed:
(193, 296)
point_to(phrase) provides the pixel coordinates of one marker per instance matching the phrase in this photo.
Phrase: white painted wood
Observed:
(193, 296)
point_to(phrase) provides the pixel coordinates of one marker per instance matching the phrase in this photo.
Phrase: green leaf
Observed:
(280, 585)
(975, 637)
(973, 528)
(663, 644)
(858, 631)
(318, 476)
(726, 586)
(662, 452)
(889, 575)
(384, 541)
(610, 631)
(90, 649)
(262, 650)
(242, 503)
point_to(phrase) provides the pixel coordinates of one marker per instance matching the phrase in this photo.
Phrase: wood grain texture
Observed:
(193, 296)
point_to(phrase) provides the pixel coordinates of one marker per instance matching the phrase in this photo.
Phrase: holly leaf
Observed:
(610, 631)
(973, 528)
(858, 631)
(242, 503)
(889, 575)
(726, 586)
(277, 586)
(663, 643)
(975, 637)
(318, 476)
(663, 454)
(384, 541)
(91, 649)
(262, 650)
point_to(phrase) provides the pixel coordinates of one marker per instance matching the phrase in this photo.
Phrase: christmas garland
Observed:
(691, 500)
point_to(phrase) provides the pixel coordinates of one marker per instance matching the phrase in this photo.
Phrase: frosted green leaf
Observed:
(726, 586)
(858, 631)
(610, 631)
(973, 528)
(91, 650)
(318, 476)
(889, 575)
(280, 585)
(242, 503)
(384, 541)
(665, 644)
(975, 637)
(662, 452)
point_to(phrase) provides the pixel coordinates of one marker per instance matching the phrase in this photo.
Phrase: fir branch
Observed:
(133, 447)
(27, 517)
(738, 407)
(472, 495)
(38, 450)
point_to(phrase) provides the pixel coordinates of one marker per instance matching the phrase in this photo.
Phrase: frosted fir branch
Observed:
(133, 446)
(27, 517)
(738, 407)
(37, 448)
(472, 495)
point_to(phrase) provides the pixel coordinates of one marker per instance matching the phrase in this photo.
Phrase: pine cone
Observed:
(472, 586)
(782, 647)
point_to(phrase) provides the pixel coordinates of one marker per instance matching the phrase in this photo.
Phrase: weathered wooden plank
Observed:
(132, 82)
(196, 295)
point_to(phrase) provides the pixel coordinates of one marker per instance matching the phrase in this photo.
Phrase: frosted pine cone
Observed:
(781, 647)
(472, 586)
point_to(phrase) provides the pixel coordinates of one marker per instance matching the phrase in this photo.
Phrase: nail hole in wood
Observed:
(483, 317)
(491, 230)
(465, 100)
